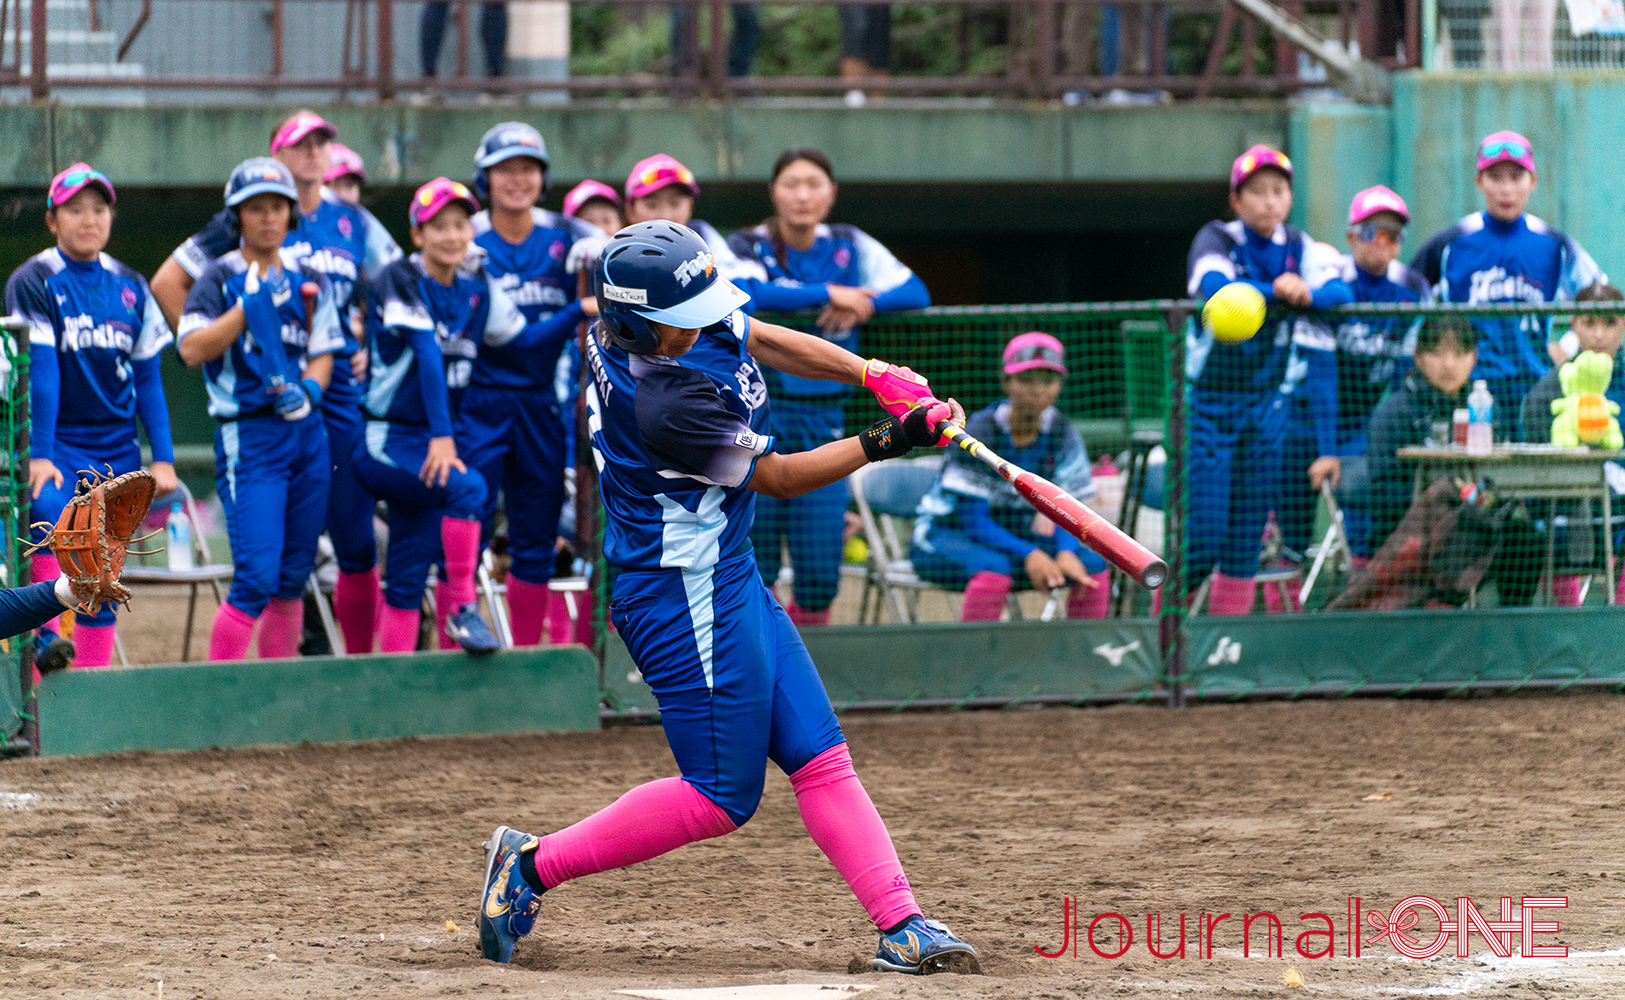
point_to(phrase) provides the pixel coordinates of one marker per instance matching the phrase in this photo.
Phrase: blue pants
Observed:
(514, 438)
(735, 684)
(81, 447)
(349, 505)
(272, 477)
(1295, 507)
(1236, 440)
(813, 523)
(950, 558)
(387, 463)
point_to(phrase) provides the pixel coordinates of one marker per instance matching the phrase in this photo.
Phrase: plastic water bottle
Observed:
(179, 530)
(1480, 419)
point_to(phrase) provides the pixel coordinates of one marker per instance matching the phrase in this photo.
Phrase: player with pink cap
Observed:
(660, 188)
(1502, 254)
(973, 531)
(596, 203)
(346, 172)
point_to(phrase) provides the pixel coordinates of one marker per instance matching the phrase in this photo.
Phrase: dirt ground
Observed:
(340, 871)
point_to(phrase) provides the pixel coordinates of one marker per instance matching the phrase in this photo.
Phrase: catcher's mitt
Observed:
(93, 535)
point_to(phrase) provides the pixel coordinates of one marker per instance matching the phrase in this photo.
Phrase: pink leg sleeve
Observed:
(645, 823)
(233, 631)
(1230, 595)
(528, 604)
(281, 624)
(984, 597)
(460, 540)
(93, 646)
(844, 824)
(398, 629)
(802, 617)
(1566, 590)
(1091, 602)
(43, 566)
(355, 605)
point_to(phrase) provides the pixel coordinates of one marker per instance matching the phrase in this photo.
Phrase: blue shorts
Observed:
(387, 462)
(272, 477)
(735, 684)
(514, 438)
(81, 447)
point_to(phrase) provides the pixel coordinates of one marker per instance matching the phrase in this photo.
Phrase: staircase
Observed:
(74, 49)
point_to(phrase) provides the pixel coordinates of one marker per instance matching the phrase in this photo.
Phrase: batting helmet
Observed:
(262, 175)
(504, 142)
(659, 272)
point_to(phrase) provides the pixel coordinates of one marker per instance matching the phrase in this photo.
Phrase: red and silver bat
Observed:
(1068, 513)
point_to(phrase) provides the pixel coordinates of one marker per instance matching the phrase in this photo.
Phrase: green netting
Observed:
(13, 519)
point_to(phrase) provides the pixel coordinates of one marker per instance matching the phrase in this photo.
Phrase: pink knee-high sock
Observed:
(1566, 590)
(43, 566)
(645, 823)
(583, 622)
(842, 821)
(281, 624)
(1273, 605)
(561, 628)
(398, 629)
(355, 605)
(802, 617)
(233, 631)
(985, 595)
(1230, 595)
(1091, 602)
(93, 646)
(529, 609)
(460, 541)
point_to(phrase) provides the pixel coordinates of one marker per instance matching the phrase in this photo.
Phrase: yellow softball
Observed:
(1234, 313)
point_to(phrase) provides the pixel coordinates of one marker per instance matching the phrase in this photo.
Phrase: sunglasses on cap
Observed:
(72, 182)
(1029, 357)
(1509, 147)
(657, 174)
(1366, 232)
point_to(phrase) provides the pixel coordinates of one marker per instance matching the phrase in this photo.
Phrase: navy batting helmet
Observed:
(504, 142)
(659, 272)
(262, 175)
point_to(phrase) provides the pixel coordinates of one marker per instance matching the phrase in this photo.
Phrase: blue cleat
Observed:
(468, 630)
(921, 947)
(508, 905)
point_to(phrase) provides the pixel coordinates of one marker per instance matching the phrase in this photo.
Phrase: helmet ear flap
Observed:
(482, 185)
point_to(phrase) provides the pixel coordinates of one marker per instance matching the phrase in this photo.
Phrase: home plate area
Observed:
(778, 991)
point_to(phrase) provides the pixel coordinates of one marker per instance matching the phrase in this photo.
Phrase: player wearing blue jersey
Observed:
(681, 435)
(511, 425)
(1504, 255)
(265, 330)
(796, 260)
(95, 334)
(973, 529)
(429, 319)
(348, 245)
(1237, 408)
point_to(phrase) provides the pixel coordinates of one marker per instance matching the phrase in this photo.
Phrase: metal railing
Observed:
(1220, 47)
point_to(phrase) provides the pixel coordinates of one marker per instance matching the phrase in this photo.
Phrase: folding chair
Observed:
(885, 493)
(204, 570)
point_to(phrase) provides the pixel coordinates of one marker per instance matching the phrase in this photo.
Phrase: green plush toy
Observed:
(1583, 415)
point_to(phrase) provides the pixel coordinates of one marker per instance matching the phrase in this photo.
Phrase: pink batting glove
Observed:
(897, 388)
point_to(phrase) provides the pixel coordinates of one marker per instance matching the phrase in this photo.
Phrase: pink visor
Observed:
(299, 126)
(437, 194)
(1506, 147)
(1376, 199)
(1254, 160)
(656, 172)
(75, 179)
(586, 191)
(344, 162)
(1034, 350)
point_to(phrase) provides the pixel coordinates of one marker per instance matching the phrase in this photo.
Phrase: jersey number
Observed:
(457, 373)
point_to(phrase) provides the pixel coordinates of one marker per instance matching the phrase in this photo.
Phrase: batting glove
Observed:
(583, 252)
(293, 402)
(895, 437)
(896, 387)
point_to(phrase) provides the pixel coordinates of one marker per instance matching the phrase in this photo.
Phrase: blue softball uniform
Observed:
(512, 422)
(1483, 259)
(1237, 393)
(972, 521)
(676, 440)
(23, 609)
(348, 245)
(809, 412)
(425, 340)
(272, 474)
(95, 335)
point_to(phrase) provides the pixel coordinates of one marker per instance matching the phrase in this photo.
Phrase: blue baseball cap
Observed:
(261, 175)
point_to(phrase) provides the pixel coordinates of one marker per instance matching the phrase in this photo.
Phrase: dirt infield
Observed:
(334, 871)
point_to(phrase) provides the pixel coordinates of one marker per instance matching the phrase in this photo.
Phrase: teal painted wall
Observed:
(1337, 150)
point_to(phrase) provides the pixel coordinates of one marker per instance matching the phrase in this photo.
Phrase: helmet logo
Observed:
(631, 296)
(688, 270)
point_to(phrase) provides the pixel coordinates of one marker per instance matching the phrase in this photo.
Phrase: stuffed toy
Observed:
(1583, 415)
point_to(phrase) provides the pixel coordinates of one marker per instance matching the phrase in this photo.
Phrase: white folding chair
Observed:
(885, 493)
(204, 570)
